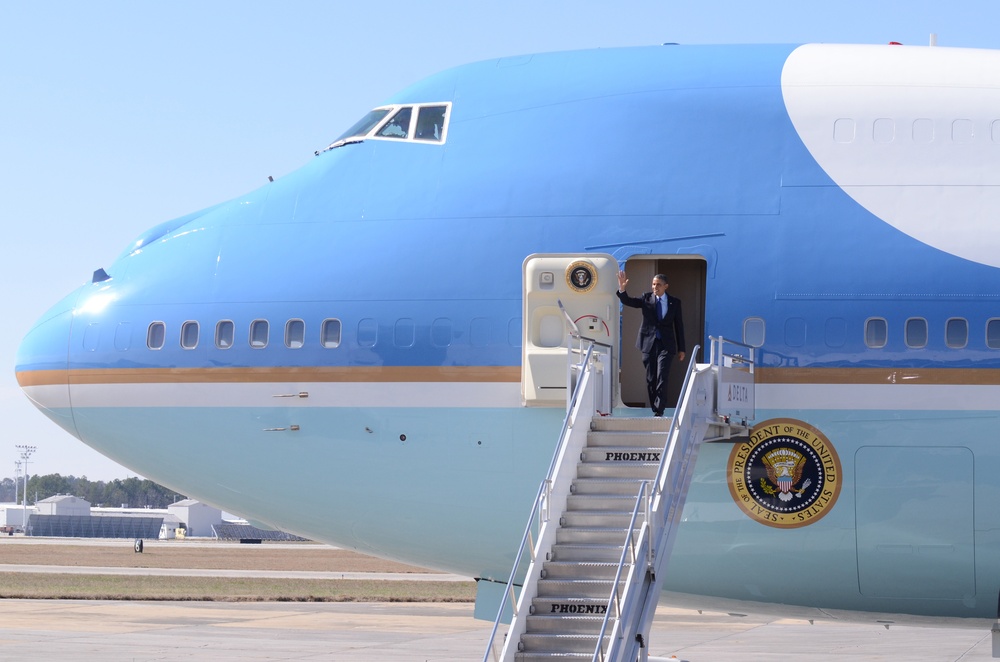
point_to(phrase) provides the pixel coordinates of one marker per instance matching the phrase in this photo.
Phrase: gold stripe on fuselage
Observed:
(400, 374)
(472, 374)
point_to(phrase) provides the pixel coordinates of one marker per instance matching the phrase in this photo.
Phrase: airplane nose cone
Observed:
(42, 364)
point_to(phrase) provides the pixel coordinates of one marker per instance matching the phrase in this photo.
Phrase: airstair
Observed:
(595, 552)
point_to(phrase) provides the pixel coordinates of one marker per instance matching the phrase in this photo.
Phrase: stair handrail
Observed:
(646, 532)
(630, 544)
(735, 377)
(540, 507)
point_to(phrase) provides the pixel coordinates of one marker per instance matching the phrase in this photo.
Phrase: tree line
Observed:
(130, 492)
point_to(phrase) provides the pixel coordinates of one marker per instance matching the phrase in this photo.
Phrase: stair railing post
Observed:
(647, 488)
(543, 516)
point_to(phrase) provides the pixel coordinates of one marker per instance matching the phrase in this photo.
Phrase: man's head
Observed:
(660, 284)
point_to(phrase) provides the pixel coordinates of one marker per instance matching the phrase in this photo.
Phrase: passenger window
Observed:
(367, 332)
(189, 335)
(91, 337)
(123, 336)
(403, 333)
(795, 332)
(224, 334)
(258, 334)
(843, 131)
(835, 332)
(430, 123)
(876, 332)
(916, 332)
(884, 130)
(993, 334)
(155, 334)
(295, 334)
(329, 333)
(956, 333)
(441, 330)
(753, 332)
(399, 125)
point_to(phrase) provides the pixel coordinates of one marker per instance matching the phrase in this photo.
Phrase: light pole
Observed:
(26, 452)
(17, 479)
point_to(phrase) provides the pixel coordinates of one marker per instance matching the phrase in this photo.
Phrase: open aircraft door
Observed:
(586, 285)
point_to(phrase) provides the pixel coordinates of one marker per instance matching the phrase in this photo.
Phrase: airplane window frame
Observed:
(906, 332)
(364, 126)
(869, 331)
(123, 336)
(267, 333)
(232, 334)
(947, 333)
(420, 115)
(162, 326)
(989, 322)
(301, 339)
(188, 324)
(416, 108)
(323, 341)
(763, 331)
(408, 110)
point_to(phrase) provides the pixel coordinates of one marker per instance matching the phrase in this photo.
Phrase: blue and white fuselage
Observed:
(340, 352)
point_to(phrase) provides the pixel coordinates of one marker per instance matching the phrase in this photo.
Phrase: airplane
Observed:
(366, 352)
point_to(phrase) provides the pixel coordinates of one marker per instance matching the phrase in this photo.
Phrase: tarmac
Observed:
(60, 630)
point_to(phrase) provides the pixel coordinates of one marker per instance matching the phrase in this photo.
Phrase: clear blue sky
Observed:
(115, 116)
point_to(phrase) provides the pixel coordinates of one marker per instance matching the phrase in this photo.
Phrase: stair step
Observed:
(585, 552)
(562, 606)
(595, 502)
(624, 423)
(618, 454)
(596, 439)
(597, 518)
(576, 588)
(637, 470)
(607, 486)
(565, 624)
(559, 643)
(604, 570)
(592, 535)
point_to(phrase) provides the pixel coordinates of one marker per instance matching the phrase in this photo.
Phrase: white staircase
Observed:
(606, 519)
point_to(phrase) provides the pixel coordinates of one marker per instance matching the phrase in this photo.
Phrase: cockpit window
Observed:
(364, 125)
(422, 122)
(430, 123)
(399, 125)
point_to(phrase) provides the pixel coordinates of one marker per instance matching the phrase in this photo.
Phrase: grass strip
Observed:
(226, 589)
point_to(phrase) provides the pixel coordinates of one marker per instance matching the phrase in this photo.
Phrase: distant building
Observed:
(198, 517)
(12, 515)
(63, 504)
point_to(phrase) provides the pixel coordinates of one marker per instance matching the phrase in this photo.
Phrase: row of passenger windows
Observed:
(258, 338)
(922, 131)
(915, 332)
(480, 332)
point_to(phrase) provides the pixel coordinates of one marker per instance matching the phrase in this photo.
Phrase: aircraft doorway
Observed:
(687, 281)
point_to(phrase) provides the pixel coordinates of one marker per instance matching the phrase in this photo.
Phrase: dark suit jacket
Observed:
(671, 327)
